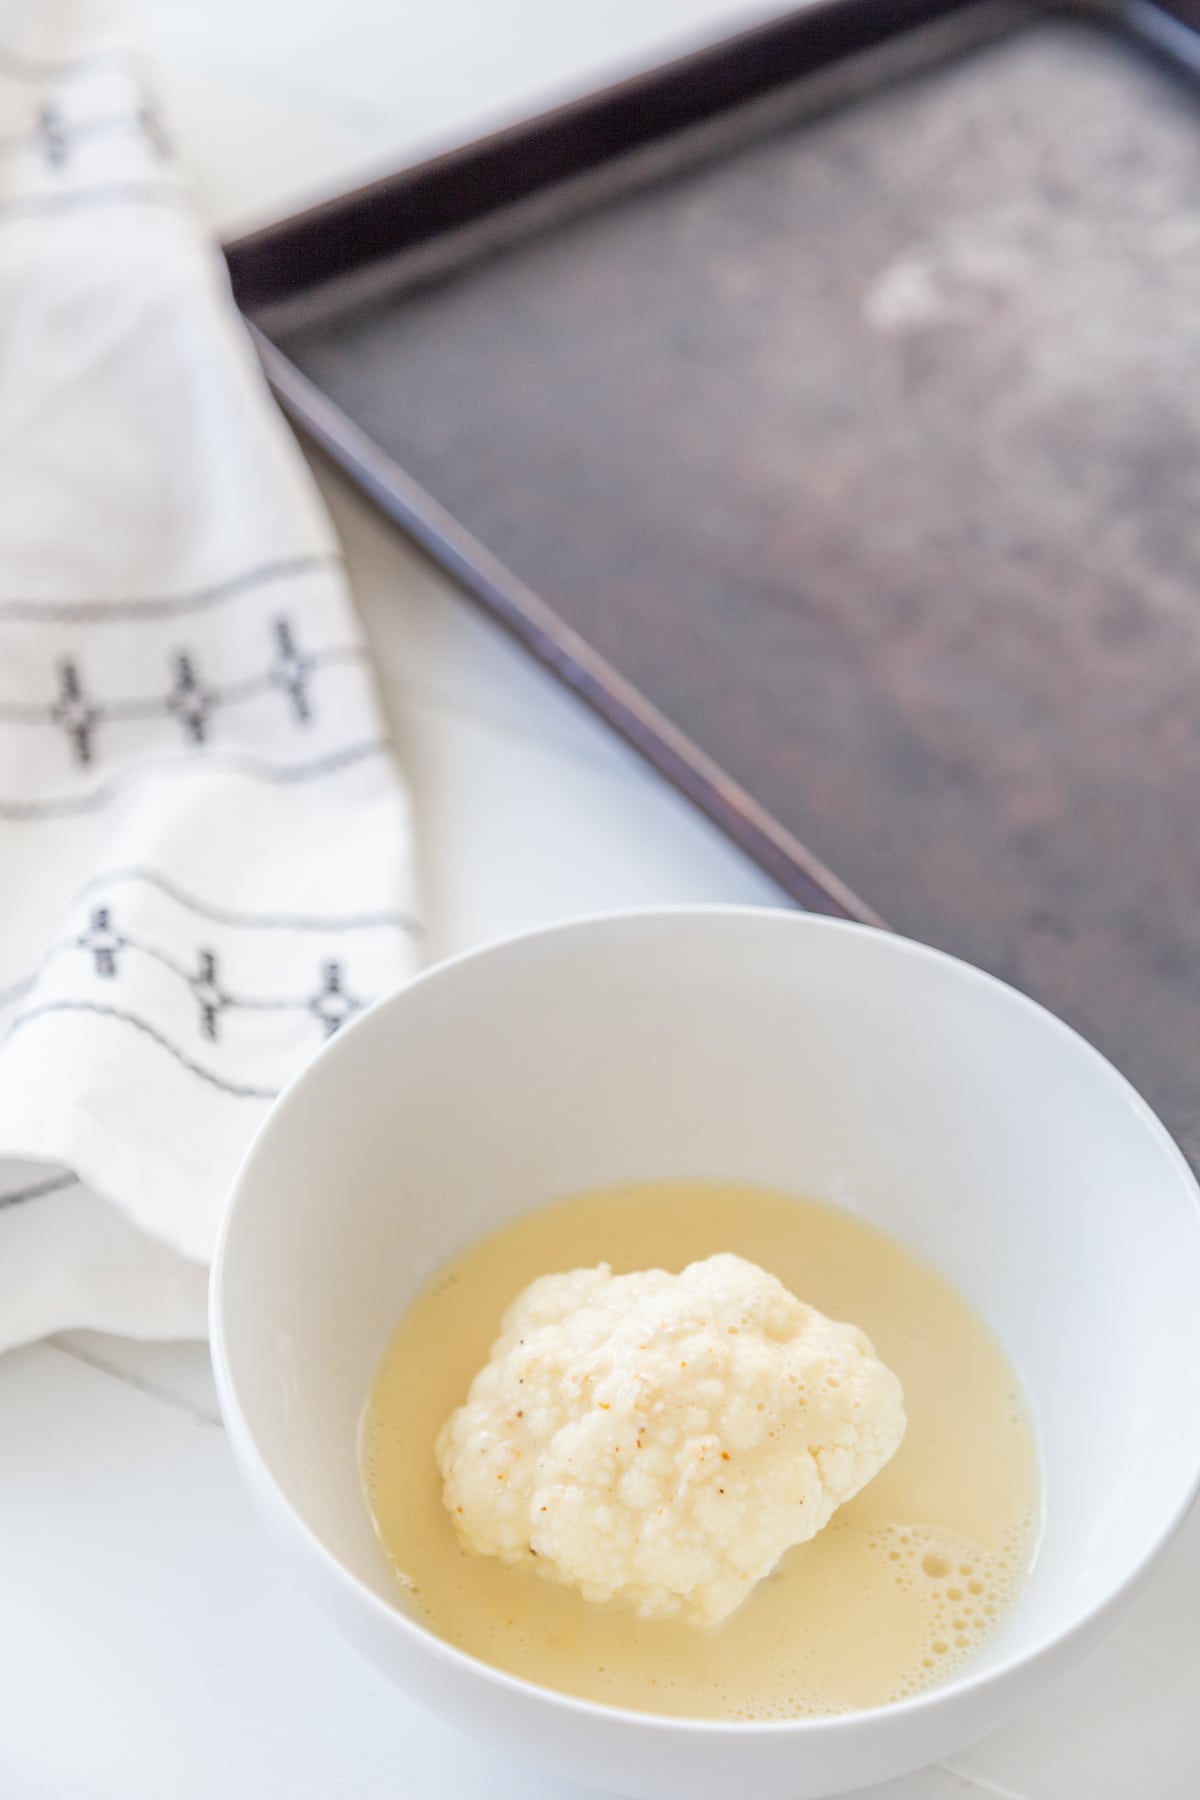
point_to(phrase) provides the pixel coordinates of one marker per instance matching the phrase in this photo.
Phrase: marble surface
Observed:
(148, 1643)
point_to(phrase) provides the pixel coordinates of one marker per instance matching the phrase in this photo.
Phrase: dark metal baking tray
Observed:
(823, 407)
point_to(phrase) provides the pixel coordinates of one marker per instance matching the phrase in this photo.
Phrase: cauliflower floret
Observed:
(662, 1439)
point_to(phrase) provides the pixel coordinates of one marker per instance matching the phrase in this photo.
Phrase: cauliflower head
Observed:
(662, 1439)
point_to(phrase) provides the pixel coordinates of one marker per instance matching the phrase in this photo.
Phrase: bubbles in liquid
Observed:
(930, 1564)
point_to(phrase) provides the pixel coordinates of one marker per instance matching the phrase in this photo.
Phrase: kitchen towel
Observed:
(204, 837)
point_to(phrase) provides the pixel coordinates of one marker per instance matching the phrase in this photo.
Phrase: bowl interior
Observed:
(828, 1060)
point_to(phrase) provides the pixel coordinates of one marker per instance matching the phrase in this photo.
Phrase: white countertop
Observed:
(149, 1645)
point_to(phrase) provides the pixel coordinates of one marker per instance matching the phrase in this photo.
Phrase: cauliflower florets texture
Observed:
(663, 1439)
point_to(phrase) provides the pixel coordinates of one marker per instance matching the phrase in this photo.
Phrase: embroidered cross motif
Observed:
(332, 1004)
(291, 671)
(189, 701)
(52, 137)
(209, 994)
(73, 712)
(102, 941)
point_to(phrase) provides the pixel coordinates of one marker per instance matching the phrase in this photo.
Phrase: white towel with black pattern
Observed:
(204, 839)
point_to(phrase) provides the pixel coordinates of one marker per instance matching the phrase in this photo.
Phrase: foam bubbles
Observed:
(961, 1588)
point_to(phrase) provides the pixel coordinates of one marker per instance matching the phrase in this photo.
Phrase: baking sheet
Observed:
(867, 449)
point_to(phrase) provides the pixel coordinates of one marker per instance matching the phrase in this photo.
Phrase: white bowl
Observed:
(817, 1057)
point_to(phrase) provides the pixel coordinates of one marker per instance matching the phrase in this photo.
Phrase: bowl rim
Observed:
(422, 1637)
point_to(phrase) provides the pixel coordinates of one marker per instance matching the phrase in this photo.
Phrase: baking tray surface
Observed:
(861, 436)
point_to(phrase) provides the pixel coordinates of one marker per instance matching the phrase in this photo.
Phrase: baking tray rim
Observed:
(1165, 26)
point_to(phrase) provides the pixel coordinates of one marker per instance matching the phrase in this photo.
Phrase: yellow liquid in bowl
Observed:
(894, 1595)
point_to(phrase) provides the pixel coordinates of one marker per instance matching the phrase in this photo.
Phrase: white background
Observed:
(148, 1645)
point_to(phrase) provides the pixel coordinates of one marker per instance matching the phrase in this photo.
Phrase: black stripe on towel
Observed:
(265, 921)
(239, 1090)
(24, 812)
(169, 606)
